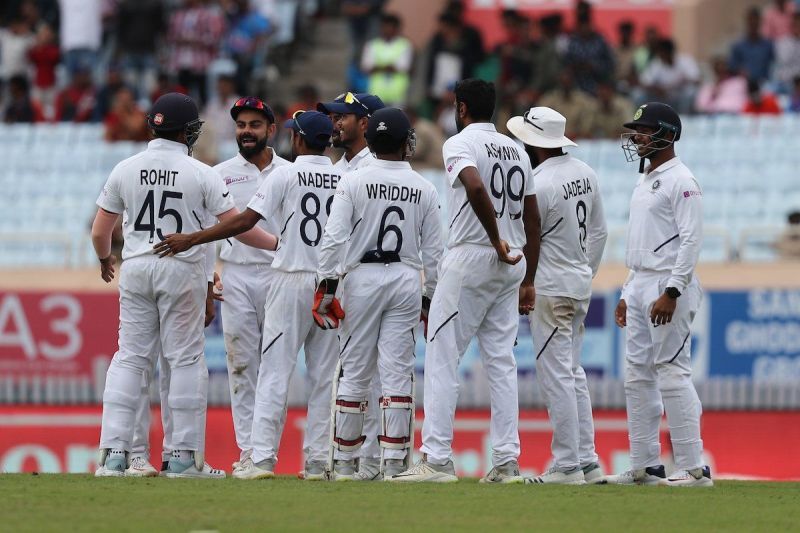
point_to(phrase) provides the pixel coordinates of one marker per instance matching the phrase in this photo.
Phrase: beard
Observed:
(250, 151)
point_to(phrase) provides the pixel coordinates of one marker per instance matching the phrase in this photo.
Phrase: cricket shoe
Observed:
(344, 470)
(315, 471)
(141, 467)
(392, 467)
(652, 475)
(425, 472)
(553, 476)
(696, 477)
(368, 471)
(112, 464)
(251, 470)
(593, 474)
(505, 473)
(178, 469)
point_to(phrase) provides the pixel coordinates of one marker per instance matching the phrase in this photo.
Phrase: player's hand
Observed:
(663, 310)
(621, 314)
(423, 316)
(173, 244)
(527, 298)
(107, 268)
(216, 289)
(503, 251)
(327, 311)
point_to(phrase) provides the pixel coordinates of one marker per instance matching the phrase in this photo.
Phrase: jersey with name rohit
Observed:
(383, 208)
(161, 191)
(573, 227)
(243, 179)
(665, 231)
(299, 196)
(506, 172)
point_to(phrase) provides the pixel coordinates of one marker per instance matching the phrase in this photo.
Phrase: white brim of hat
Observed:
(524, 133)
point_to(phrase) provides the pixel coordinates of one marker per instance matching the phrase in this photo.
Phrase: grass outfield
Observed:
(53, 502)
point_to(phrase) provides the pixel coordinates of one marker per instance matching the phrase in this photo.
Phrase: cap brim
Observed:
(290, 124)
(345, 109)
(632, 125)
(323, 107)
(516, 125)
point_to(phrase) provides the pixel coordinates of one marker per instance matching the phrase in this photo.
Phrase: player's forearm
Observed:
(226, 228)
(258, 238)
(102, 229)
(595, 245)
(482, 205)
(531, 221)
(329, 256)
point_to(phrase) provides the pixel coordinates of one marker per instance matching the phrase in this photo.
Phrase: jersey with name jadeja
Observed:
(573, 227)
(162, 190)
(384, 208)
(243, 180)
(299, 196)
(506, 172)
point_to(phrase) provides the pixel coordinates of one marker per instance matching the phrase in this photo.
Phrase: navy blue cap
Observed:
(657, 115)
(254, 103)
(315, 127)
(173, 112)
(359, 104)
(389, 121)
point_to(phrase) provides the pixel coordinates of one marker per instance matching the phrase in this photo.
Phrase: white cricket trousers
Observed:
(161, 308)
(245, 292)
(382, 304)
(658, 368)
(557, 329)
(288, 326)
(141, 434)
(477, 295)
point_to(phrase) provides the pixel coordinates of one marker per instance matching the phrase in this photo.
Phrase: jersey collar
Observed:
(247, 164)
(480, 126)
(391, 164)
(164, 144)
(356, 158)
(675, 161)
(550, 161)
(314, 159)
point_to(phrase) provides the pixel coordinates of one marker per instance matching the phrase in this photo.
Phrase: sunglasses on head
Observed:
(350, 98)
(296, 123)
(251, 101)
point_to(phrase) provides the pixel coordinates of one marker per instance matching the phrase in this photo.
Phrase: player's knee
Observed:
(672, 377)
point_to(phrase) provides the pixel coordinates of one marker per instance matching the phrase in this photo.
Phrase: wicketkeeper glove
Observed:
(426, 307)
(327, 310)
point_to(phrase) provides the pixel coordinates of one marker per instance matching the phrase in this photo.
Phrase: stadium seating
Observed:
(52, 173)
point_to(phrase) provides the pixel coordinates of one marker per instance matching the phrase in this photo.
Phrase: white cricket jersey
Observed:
(299, 196)
(161, 191)
(506, 172)
(383, 207)
(243, 179)
(362, 158)
(665, 231)
(573, 227)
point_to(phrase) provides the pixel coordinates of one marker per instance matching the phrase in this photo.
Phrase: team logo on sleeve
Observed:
(158, 119)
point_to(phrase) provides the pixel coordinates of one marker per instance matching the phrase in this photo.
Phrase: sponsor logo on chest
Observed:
(233, 180)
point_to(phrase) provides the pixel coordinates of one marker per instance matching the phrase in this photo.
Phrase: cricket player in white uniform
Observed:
(659, 301)
(161, 301)
(389, 214)
(350, 113)
(246, 271)
(572, 241)
(483, 283)
(299, 196)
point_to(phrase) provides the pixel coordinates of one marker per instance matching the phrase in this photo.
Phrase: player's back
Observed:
(300, 196)
(161, 191)
(505, 170)
(571, 211)
(391, 202)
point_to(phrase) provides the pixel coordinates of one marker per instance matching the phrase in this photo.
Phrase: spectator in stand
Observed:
(218, 127)
(611, 111)
(726, 93)
(166, 84)
(571, 102)
(247, 30)
(195, 31)
(788, 244)
(760, 101)
(787, 57)
(752, 55)
(777, 19)
(588, 54)
(794, 98)
(360, 16)
(516, 63)
(430, 140)
(671, 78)
(21, 107)
(307, 98)
(76, 102)
(646, 51)
(81, 34)
(624, 54)
(44, 56)
(387, 63)
(453, 54)
(446, 112)
(546, 60)
(15, 41)
(125, 121)
(139, 28)
(105, 96)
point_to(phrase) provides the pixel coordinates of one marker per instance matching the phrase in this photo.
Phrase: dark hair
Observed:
(386, 144)
(389, 18)
(625, 25)
(753, 85)
(478, 96)
(449, 18)
(20, 82)
(667, 45)
(794, 217)
(168, 135)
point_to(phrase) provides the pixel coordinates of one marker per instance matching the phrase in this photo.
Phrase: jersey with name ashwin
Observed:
(161, 191)
(243, 180)
(573, 227)
(299, 196)
(383, 208)
(505, 170)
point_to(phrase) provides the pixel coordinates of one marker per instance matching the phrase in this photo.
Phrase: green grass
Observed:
(83, 503)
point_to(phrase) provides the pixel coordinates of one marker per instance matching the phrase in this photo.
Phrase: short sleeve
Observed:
(457, 156)
(218, 199)
(530, 181)
(269, 195)
(110, 197)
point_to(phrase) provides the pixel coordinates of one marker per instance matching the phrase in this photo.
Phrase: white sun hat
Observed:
(541, 127)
